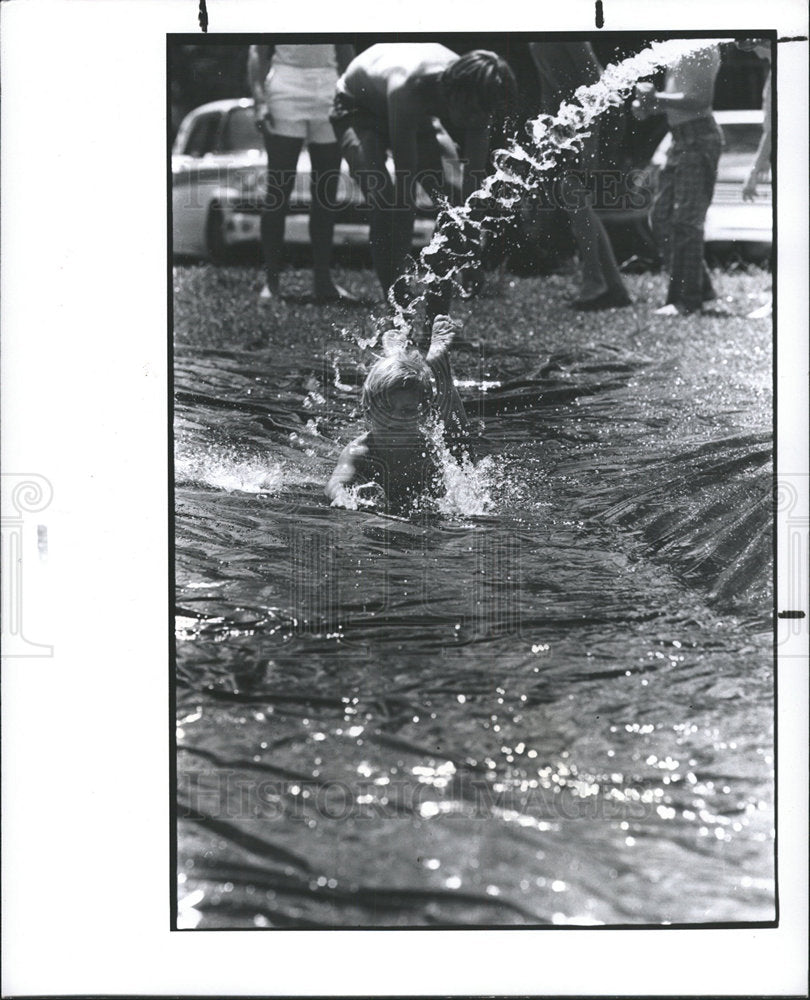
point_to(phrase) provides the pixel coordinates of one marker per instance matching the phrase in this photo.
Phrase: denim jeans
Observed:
(685, 192)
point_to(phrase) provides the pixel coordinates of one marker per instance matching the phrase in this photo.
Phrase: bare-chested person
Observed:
(409, 99)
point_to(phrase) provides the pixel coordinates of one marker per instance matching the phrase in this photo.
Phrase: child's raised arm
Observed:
(438, 358)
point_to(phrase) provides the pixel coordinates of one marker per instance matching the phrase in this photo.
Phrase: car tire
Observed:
(215, 242)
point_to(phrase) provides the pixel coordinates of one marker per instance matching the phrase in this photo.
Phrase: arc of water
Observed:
(520, 169)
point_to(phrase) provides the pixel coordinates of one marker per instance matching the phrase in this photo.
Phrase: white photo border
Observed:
(86, 868)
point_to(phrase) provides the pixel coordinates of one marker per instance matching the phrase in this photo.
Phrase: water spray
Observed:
(520, 169)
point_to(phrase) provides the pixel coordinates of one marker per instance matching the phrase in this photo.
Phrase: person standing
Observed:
(687, 180)
(293, 87)
(762, 161)
(562, 68)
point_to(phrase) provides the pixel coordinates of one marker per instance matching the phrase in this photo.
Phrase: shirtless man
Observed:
(409, 98)
(687, 180)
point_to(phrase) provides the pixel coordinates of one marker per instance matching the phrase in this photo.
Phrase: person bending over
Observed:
(409, 99)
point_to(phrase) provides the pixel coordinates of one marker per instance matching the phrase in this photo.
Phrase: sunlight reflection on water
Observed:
(549, 701)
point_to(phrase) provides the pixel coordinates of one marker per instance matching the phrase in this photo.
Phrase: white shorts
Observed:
(299, 101)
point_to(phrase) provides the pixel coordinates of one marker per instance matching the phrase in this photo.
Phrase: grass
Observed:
(218, 308)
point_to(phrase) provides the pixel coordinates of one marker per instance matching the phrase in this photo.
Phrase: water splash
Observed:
(364, 496)
(229, 471)
(520, 169)
(363, 342)
(467, 485)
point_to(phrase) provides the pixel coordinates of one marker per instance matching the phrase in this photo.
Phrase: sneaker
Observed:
(336, 294)
(762, 313)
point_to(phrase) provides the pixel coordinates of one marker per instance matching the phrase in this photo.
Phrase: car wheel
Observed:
(215, 242)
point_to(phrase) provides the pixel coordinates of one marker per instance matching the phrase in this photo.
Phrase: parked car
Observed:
(219, 173)
(219, 169)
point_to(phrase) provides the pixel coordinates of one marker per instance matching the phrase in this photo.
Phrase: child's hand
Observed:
(372, 494)
(442, 334)
(446, 326)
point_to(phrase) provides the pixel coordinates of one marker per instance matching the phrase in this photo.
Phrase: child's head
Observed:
(478, 87)
(397, 390)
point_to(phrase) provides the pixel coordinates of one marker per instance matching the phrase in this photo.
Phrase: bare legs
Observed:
(282, 164)
(325, 161)
(391, 223)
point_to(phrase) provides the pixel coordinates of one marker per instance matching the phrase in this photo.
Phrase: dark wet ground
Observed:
(548, 701)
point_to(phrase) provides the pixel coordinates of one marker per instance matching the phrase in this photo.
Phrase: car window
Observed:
(240, 131)
(203, 135)
(740, 150)
(742, 137)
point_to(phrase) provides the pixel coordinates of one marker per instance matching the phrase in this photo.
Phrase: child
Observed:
(687, 180)
(395, 456)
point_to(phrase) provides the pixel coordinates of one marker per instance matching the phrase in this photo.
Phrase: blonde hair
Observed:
(394, 371)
